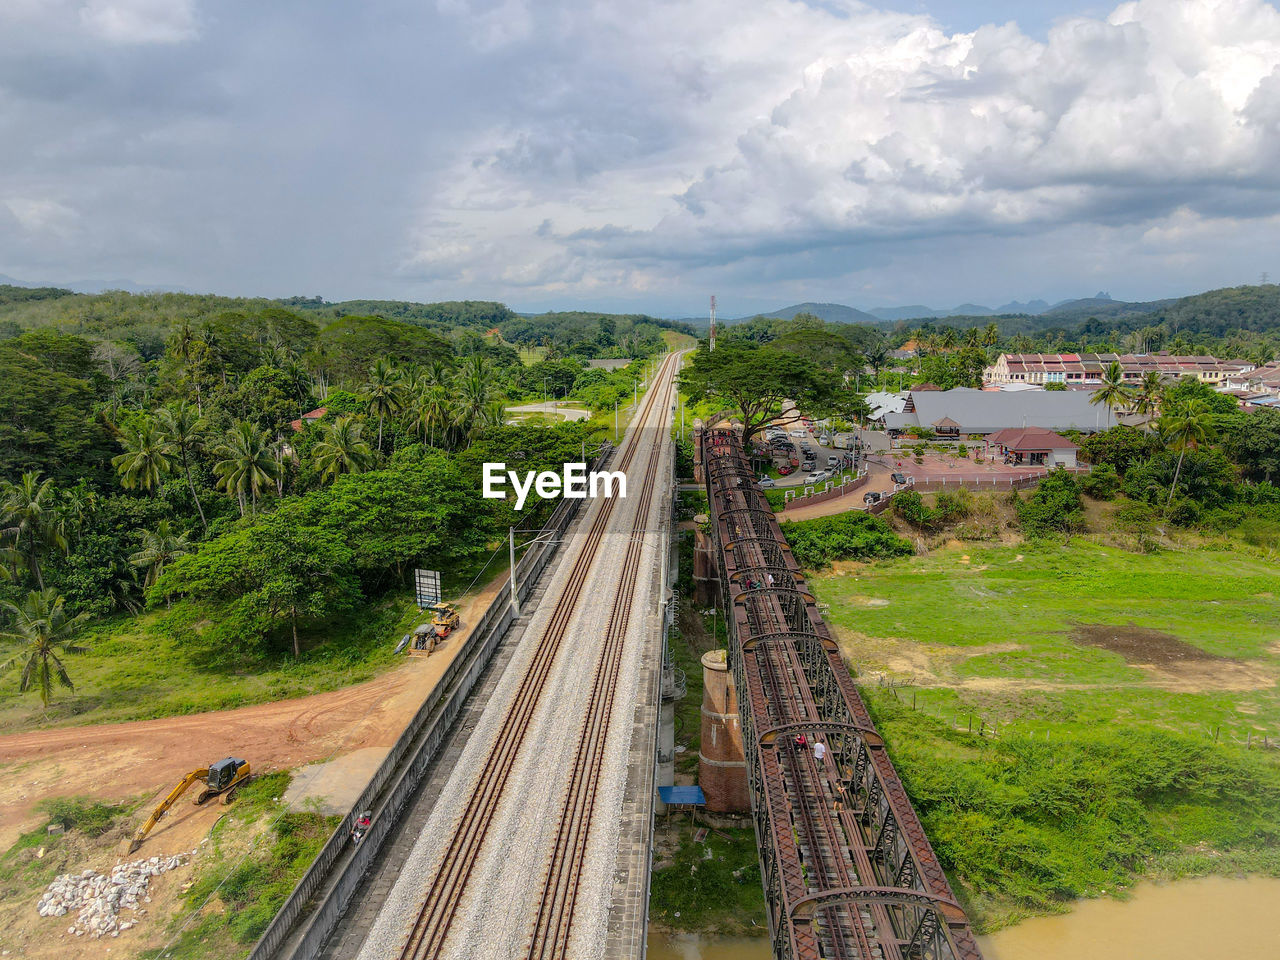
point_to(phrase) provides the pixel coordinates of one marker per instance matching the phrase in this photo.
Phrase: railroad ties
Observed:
(847, 869)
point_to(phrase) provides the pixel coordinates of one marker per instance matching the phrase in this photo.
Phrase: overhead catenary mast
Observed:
(712, 344)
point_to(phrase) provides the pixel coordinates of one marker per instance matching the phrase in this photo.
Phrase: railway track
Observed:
(848, 870)
(428, 936)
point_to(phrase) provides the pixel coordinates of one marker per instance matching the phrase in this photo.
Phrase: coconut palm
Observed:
(1185, 426)
(431, 412)
(385, 397)
(342, 450)
(30, 520)
(1113, 392)
(1147, 399)
(160, 547)
(146, 457)
(972, 338)
(183, 430)
(948, 339)
(45, 630)
(990, 335)
(247, 464)
(475, 398)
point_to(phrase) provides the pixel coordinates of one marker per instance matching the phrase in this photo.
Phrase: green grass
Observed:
(531, 355)
(1093, 771)
(246, 883)
(713, 886)
(146, 666)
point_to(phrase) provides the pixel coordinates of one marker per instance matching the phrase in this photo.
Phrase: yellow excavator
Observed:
(223, 777)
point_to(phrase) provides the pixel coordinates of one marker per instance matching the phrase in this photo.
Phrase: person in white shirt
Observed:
(819, 750)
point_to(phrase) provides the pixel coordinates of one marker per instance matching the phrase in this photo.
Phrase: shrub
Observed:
(1102, 482)
(1054, 507)
(91, 817)
(909, 505)
(846, 536)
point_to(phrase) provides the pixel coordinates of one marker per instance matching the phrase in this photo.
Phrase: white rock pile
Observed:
(99, 897)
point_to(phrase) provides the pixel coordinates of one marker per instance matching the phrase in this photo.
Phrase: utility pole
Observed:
(515, 592)
(682, 419)
(615, 420)
(712, 344)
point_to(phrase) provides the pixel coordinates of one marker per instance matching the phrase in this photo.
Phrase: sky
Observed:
(641, 156)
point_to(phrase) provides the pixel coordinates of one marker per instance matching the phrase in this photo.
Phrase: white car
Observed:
(816, 476)
(766, 483)
(799, 433)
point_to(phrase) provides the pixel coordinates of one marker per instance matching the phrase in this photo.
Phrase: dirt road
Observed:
(127, 760)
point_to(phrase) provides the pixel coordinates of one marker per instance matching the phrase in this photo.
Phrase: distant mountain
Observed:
(830, 312)
(128, 286)
(1031, 307)
(914, 312)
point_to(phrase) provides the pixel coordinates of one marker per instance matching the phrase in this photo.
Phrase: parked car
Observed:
(766, 483)
(832, 461)
(872, 497)
(823, 441)
(816, 476)
(808, 465)
(787, 470)
(898, 477)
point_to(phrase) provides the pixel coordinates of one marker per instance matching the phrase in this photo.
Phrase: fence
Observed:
(849, 485)
(395, 780)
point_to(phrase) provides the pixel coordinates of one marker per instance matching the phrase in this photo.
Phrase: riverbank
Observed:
(1070, 718)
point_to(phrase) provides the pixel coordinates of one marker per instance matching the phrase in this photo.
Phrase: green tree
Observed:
(30, 521)
(184, 431)
(44, 629)
(247, 464)
(756, 380)
(477, 405)
(160, 547)
(342, 450)
(383, 389)
(1146, 401)
(146, 458)
(990, 335)
(301, 573)
(1186, 425)
(1113, 392)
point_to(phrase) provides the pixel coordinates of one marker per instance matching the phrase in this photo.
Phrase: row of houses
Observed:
(1088, 369)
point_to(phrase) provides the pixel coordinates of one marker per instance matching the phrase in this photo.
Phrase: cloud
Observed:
(772, 127)
(141, 21)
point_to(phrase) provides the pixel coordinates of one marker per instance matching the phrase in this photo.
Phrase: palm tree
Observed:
(475, 398)
(1185, 426)
(145, 460)
(972, 338)
(431, 411)
(42, 625)
(342, 450)
(31, 521)
(247, 464)
(1113, 391)
(383, 389)
(990, 335)
(1147, 400)
(160, 547)
(183, 430)
(948, 339)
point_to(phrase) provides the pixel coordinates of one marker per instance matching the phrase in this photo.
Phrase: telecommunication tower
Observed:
(712, 345)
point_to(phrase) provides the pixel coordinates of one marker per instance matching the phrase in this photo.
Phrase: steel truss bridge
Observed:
(847, 869)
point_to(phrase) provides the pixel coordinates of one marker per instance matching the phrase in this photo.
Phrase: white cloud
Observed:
(141, 21)
(759, 127)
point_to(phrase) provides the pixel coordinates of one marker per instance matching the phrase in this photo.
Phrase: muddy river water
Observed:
(1213, 918)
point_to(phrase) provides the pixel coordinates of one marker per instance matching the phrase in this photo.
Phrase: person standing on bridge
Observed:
(819, 750)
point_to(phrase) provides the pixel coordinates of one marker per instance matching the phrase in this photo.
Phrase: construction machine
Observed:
(221, 778)
(428, 636)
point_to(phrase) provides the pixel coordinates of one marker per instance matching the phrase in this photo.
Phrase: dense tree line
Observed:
(136, 473)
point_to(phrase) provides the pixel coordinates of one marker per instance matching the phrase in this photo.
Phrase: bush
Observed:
(1102, 482)
(909, 505)
(91, 817)
(1054, 507)
(846, 536)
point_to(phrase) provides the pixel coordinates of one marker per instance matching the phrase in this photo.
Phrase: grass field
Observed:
(138, 668)
(1069, 717)
(531, 355)
(1015, 634)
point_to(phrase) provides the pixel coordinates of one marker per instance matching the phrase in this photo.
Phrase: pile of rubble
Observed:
(99, 897)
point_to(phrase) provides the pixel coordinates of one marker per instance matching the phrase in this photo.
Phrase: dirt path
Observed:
(125, 760)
